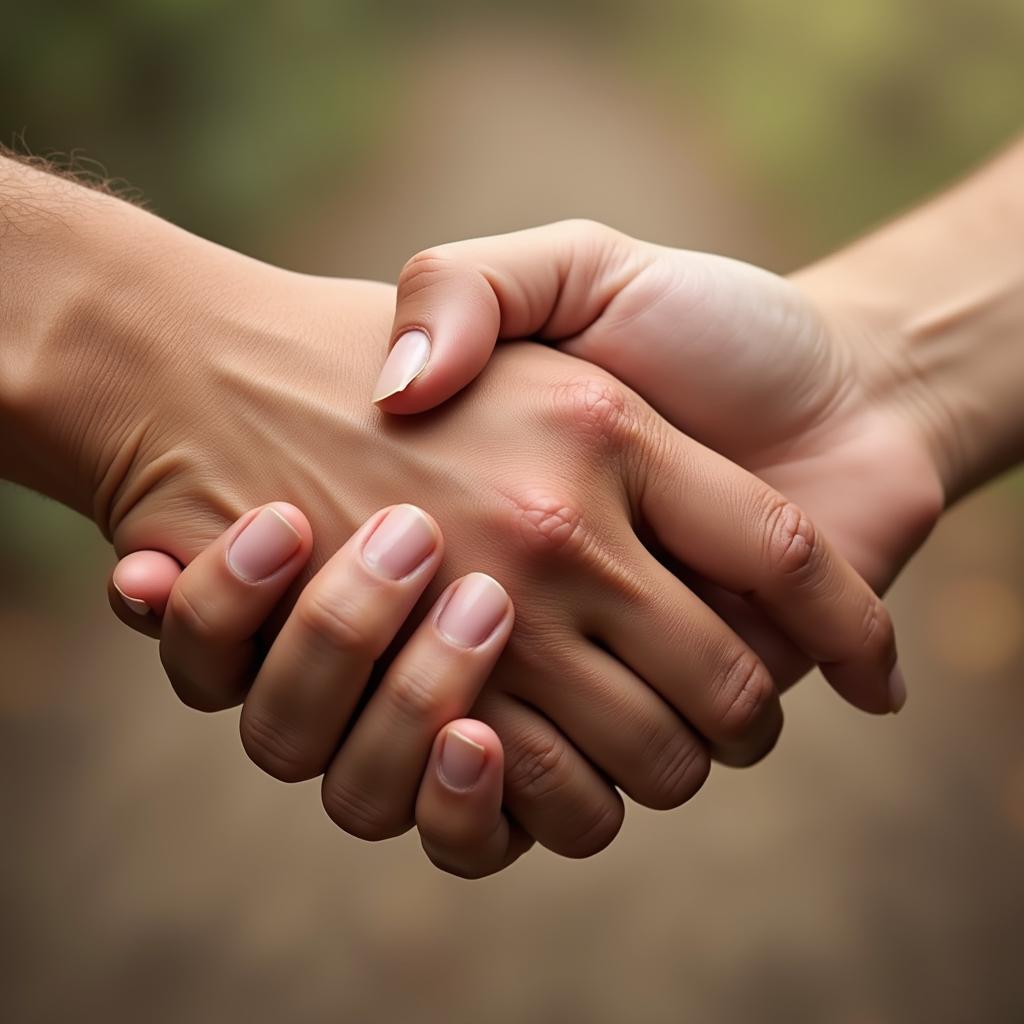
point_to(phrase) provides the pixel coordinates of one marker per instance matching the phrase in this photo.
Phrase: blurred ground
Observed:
(869, 871)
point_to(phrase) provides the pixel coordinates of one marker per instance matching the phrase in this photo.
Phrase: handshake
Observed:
(524, 577)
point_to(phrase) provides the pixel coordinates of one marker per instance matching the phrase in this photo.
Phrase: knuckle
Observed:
(414, 695)
(274, 747)
(878, 635)
(747, 754)
(539, 768)
(791, 540)
(196, 696)
(339, 624)
(679, 766)
(540, 772)
(744, 690)
(359, 814)
(591, 232)
(543, 522)
(193, 615)
(422, 270)
(192, 690)
(596, 408)
(590, 827)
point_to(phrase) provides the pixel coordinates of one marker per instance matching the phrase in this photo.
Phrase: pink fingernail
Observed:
(263, 546)
(136, 604)
(897, 689)
(401, 543)
(474, 611)
(462, 761)
(405, 362)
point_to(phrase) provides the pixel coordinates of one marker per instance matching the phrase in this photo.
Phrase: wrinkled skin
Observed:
(551, 457)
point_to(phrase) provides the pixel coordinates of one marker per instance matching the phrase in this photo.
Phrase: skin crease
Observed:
(716, 346)
(873, 388)
(177, 498)
(638, 320)
(710, 341)
(706, 340)
(193, 384)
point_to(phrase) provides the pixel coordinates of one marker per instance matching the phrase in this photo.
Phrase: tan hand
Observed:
(733, 355)
(258, 392)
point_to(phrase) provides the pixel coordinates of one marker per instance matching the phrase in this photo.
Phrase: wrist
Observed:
(934, 304)
(78, 275)
(944, 361)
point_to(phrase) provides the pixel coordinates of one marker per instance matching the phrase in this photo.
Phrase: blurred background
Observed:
(868, 871)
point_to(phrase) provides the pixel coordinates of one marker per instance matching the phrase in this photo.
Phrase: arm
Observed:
(67, 301)
(883, 378)
(163, 384)
(937, 300)
(928, 313)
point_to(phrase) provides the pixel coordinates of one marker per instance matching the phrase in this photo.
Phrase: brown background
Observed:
(869, 871)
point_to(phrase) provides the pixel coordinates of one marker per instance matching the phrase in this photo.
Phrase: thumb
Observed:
(456, 301)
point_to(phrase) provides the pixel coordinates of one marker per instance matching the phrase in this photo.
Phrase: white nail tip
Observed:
(407, 360)
(135, 604)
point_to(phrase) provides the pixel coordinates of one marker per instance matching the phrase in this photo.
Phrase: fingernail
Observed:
(134, 603)
(462, 761)
(897, 689)
(473, 612)
(405, 362)
(263, 546)
(403, 540)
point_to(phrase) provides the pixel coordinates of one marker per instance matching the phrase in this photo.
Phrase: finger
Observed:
(139, 587)
(345, 618)
(370, 787)
(221, 599)
(680, 648)
(550, 788)
(455, 301)
(741, 534)
(625, 727)
(458, 808)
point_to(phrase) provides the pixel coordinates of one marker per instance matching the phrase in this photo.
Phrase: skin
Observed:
(873, 388)
(393, 761)
(163, 385)
(876, 387)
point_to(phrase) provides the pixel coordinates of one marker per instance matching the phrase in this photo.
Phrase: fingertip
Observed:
(897, 690)
(295, 518)
(268, 545)
(477, 732)
(427, 367)
(466, 756)
(426, 391)
(873, 697)
(144, 579)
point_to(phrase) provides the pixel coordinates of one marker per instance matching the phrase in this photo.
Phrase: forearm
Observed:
(940, 292)
(98, 319)
(63, 289)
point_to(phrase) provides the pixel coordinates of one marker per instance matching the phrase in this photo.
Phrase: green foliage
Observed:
(849, 110)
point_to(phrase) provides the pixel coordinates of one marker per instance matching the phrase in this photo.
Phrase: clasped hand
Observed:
(651, 576)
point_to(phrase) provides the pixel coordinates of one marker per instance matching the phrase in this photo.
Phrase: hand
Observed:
(171, 384)
(436, 770)
(806, 397)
